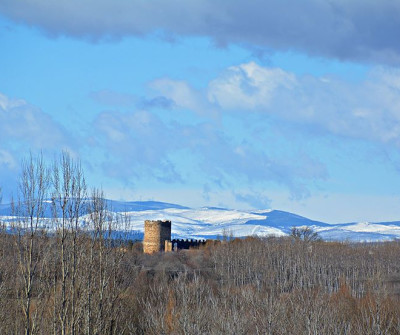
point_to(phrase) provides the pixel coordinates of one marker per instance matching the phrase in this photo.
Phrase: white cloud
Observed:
(367, 110)
(24, 124)
(178, 91)
(249, 86)
(182, 95)
(25, 128)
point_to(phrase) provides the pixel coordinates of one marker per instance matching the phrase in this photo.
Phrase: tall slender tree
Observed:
(30, 212)
(68, 199)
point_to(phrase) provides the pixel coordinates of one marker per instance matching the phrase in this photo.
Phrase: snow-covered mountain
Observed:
(211, 222)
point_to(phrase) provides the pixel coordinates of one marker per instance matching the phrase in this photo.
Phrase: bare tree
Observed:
(305, 234)
(30, 210)
(2, 224)
(68, 200)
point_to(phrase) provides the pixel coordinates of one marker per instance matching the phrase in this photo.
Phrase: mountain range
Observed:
(214, 222)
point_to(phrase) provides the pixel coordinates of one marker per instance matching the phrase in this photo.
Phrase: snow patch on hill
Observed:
(212, 222)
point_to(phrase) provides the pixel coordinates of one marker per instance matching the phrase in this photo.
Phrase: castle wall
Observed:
(186, 244)
(155, 235)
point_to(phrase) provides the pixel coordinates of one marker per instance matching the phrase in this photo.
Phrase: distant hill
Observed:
(214, 222)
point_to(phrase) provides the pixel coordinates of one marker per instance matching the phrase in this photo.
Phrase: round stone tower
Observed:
(155, 235)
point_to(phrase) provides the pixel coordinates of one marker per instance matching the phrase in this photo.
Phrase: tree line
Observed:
(59, 276)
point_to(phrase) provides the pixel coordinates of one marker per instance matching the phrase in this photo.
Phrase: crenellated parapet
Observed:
(178, 244)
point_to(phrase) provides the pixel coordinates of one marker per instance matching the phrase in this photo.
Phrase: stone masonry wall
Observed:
(155, 234)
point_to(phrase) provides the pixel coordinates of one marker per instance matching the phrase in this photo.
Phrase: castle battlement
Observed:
(157, 237)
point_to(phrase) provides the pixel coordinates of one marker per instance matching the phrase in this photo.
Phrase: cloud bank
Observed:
(23, 123)
(356, 30)
(142, 146)
(24, 128)
(369, 110)
(171, 138)
(214, 153)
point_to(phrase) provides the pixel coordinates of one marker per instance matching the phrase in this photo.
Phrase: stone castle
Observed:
(157, 237)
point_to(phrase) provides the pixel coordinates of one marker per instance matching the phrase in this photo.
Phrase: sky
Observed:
(284, 104)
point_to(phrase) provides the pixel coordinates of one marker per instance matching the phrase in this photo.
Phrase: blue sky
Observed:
(270, 104)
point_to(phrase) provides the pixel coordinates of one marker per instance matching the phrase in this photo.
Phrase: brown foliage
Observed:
(265, 286)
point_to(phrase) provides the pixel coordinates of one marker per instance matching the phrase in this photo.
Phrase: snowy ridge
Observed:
(211, 222)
